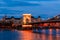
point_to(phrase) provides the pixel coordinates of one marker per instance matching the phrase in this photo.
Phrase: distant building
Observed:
(25, 20)
(28, 18)
(13, 19)
(55, 18)
(3, 19)
(33, 19)
(39, 19)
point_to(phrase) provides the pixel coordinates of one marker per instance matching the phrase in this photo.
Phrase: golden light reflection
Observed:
(26, 35)
(58, 35)
(50, 31)
(57, 30)
(43, 37)
(50, 37)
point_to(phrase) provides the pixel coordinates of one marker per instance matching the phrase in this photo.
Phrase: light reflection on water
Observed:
(53, 35)
(29, 35)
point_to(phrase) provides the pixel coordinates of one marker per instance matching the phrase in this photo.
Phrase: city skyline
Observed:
(43, 8)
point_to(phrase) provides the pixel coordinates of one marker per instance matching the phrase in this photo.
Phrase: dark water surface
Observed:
(29, 35)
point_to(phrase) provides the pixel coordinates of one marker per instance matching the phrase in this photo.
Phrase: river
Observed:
(30, 35)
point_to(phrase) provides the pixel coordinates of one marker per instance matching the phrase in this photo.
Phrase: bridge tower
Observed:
(26, 20)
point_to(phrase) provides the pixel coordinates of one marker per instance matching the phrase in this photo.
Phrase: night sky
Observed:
(43, 8)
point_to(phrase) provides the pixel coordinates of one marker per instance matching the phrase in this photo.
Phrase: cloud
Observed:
(18, 3)
(35, 0)
(2, 2)
(8, 11)
(47, 4)
(42, 8)
(43, 2)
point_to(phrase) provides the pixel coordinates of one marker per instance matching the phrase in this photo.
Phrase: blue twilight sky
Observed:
(43, 8)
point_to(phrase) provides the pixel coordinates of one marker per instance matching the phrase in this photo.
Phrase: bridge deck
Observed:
(47, 21)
